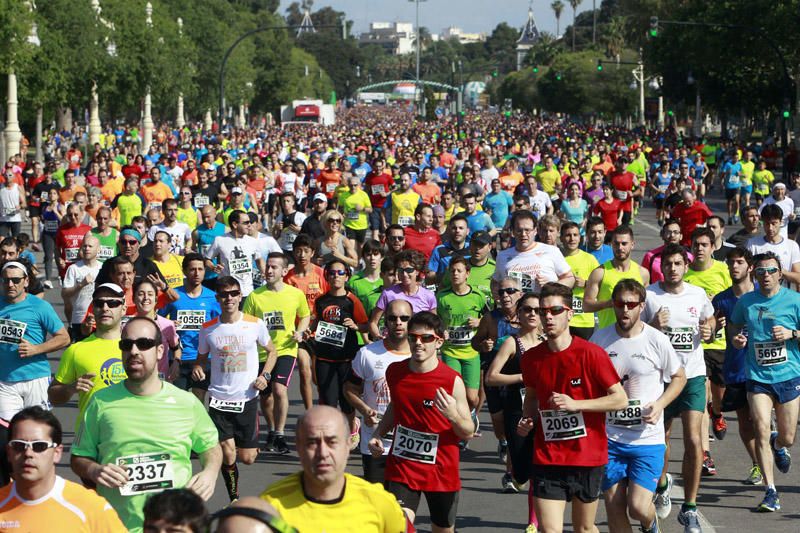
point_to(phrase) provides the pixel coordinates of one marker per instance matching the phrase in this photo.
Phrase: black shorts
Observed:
(659, 202)
(374, 467)
(34, 211)
(442, 505)
(730, 194)
(281, 373)
(735, 398)
(241, 427)
(565, 482)
(714, 359)
(331, 376)
(494, 398)
(185, 380)
(358, 235)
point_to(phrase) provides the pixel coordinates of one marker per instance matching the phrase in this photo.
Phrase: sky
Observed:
(473, 16)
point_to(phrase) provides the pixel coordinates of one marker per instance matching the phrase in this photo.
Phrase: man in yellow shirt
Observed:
(322, 497)
(95, 362)
(170, 265)
(403, 202)
(38, 499)
(549, 179)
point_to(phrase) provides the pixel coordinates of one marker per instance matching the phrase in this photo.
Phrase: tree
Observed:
(557, 7)
(574, 4)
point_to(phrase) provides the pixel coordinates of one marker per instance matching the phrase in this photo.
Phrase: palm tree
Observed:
(574, 4)
(557, 7)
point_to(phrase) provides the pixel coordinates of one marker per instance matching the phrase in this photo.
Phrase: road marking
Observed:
(648, 225)
(677, 493)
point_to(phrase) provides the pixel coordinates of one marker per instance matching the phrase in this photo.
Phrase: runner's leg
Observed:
(761, 413)
(616, 500)
(692, 455)
(583, 516)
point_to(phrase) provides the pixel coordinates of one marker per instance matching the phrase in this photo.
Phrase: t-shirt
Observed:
(369, 368)
(769, 361)
(333, 340)
(543, 260)
(237, 255)
(787, 208)
(403, 206)
(108, 244)
(205, 238)
(69, 240)
(154, 194)
(375, 184)
(609, 212)
(364, 507)
(480, 221)
(233, 351)
(287, 236)
(31, 319)
(366, 290)
(686, 311)
(422, 300)
(788, 251)
(429, 192)
(172, 270)
(279, 310)
(129, 207)
(499, 204)
(75, 275)
(733, 366)
(422, 241)
(122, 428)
(68, 504)
(713, 280)
(353, 219)
(312, 284)
(583, 371)
(189, 313)
(645, 363)
(547, 179)
(179, 233)
(689, 218)
(582, 265)
(623, 185)
(455, 310)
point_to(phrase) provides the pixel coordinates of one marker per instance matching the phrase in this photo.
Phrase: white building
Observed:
(396, 38)
(454, 32)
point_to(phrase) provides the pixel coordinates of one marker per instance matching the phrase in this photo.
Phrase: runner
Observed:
(457, 245)
(582, 265)
(232, 341)
(118, 463)
(421, 236)
(367, 284)
(169, 264)
(76, 291)
(428, 415)
(594, 242)
(195, 306)
(670, 234)
(409, 269)
(107, 235)
(652, 377)
(787, 251)
(284, 309)
(603, 279)
(684, 313)
(569, 385)
(772, 317)
(236, 251)
(690, 213)
(403, 202)
(366, 388)
(203, 237)
(69, 238)
(180, 234)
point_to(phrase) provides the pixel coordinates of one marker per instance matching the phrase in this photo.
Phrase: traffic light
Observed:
(653, 27)
(462, 113)
(599, 65)
(507, 114)
(786, 113)
(670, 113)
(494, 73)
(558, 76)
(536, 69)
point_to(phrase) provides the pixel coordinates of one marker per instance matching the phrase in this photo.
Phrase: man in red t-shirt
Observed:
(609, 209)
(625, 185)
(421, 236)
(378, 184)
(428, 415)
(690, 213)
(570, 384)
(69, 238)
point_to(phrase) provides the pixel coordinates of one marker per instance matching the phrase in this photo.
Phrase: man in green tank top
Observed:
(603, 279)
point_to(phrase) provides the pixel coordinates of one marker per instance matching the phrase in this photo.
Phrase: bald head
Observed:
(236, 523)
(322, 415)
(399, 307)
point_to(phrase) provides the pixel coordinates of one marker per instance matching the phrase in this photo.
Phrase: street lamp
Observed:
(147, 119)
(13, 135)
(417, 42)
(95, 129)
(180, 121)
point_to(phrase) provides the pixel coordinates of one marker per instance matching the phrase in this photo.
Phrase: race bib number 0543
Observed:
(11, 331)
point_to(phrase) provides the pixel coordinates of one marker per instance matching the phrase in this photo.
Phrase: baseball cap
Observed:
(236, 190)
(113, 288)
(481, 238)
(319, 197)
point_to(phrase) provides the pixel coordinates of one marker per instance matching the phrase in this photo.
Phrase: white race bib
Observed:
(51, 226)
(201, 201)
(330, 187)
(629, 417)
(154, 205)
(332, 334)
(11, 331)
(405, 221)
(526, 282)
(415, 445)
(237, 267)
(622, 195)
(274, 320)
(352, 215)
(226, 406)
(681, 339)
(10, 211)
(577, 304)
(376, 189)
(190, 319)
(562, 425)
(770, 353)
(147, 472)
(460, 335)
(71, 254)
(105, 253)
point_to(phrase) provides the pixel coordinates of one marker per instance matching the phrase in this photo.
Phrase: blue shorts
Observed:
(784, 391)
(745, 189)
(640, 464)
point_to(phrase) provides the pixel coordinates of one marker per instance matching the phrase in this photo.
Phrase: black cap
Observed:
(482, 238)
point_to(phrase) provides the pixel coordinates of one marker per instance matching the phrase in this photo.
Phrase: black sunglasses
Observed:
(401, 318)
(508, 290)
(224, 294)
(142, 343)
(112, 304)
(407, 270)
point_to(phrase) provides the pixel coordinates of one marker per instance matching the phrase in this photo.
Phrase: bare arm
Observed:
(456, 409)
(494, 376)
(374, 331)
(590, 301)
(615, 400)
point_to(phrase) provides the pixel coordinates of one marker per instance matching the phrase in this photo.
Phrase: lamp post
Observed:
(95, 128)
(147, 119)
(180, 122)
(418, 44)
(13, 135)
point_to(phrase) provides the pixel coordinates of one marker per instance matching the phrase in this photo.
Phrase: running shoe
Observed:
(531, 529)
(690, 521)
(508, 484)
(652, 529)
(280, 445)
(709, 469)
(783, 460)
(477, 423)
(502, 451)
(662, 500)
(754, 477)
(770, 503)
(718, 425)
(269, 445)
(47, 284)
(355, 435)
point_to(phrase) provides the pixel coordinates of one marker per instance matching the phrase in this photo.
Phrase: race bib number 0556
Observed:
(150, 472)
(190, 320)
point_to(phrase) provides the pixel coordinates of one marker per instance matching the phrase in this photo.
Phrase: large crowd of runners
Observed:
(409, 275)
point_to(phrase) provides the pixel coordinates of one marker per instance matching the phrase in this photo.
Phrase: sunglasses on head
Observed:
(38, 446)
(508, 290)
(111, 304)
(424, 338)
(142, 343)
(554, 310)
(627, 305)
(401, 318)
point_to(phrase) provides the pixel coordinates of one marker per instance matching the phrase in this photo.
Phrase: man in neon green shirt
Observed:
(136, 437)
(582, 264)
(355, 205)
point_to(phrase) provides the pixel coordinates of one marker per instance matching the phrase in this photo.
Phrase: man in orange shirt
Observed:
(155, 191)
(329, 179)
(428, 191)
(70, 188)
(510, 177)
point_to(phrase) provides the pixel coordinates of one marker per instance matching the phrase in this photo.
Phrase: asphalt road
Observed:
(725, 503)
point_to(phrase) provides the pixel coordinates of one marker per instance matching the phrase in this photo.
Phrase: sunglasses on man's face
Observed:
(760, 271)
(111, 304)
(407, 270)
(401, 318)
(332, 273)
(627, 305)
(554, 310)
(13, 279)
(396, 238)
(228, 294)
(142, 343)
(508, 290)
(38, 446)
(424, 338)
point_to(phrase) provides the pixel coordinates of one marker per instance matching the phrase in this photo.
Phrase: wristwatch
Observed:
(794, 333)
(267, 376)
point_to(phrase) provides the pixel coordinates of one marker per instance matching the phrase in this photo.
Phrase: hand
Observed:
(85, 383)
(198, 374)
(174, 370)
(487, 345)
(110, 475)
(26, 349)
(779, 333)
(446, 404)
(705, 330)
(739, 341)
(473, 322)
(375, 446)
(563, 402)
(580, 282)
(260, 383)
(218, 268)
(88, 280)
(371, 418)
(349, 323)
(203, 484)
(61, 263)
(156, 281)
(662, 318)
(721, 322)
(524, 426)
(653, 411)
(90, 322)
(298, 336)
